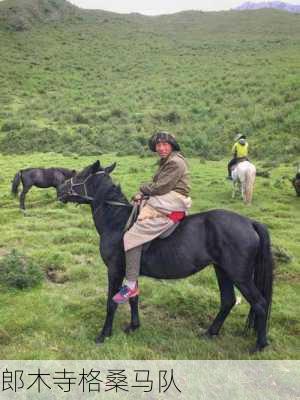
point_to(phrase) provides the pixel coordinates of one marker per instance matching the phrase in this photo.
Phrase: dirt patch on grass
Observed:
(3, 252)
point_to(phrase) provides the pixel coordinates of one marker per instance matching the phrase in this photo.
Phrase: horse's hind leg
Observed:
(227, 301)
(244, 192)
(258, 307)
(233, 190)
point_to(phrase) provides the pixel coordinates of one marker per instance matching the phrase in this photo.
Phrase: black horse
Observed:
(40, 177)
(238, 247)
(296, 182)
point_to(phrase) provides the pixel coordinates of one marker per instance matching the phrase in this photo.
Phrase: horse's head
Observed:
(296, 183)
(82, 187)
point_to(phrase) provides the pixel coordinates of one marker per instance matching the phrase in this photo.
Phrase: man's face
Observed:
(163, 149)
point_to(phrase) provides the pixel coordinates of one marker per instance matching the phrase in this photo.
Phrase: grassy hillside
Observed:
(87, 82)
(60, 318)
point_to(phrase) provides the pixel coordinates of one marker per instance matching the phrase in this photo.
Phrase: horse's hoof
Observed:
(208, 335)
(258, 348)
(100, 339)
(130, 328)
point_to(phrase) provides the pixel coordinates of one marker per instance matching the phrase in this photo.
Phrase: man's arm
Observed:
(234, 150)
(167, 181)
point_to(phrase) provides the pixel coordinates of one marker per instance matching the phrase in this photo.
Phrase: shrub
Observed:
(17, 271)
(138, 117)
(118, 113)
(10, 126)
(172, 117)
(281, 255)
(79, 118)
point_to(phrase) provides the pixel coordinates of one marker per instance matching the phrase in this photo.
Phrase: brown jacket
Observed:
(171, 175)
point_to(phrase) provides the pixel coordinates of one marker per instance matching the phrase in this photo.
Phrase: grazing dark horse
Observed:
(238, 247)
(40, 177)
(296, 181)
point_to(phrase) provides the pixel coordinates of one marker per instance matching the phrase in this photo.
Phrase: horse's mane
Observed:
(114, 193)
(115, 216)
(63, 170)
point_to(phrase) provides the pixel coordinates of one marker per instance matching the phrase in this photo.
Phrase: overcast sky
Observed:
(154, 7)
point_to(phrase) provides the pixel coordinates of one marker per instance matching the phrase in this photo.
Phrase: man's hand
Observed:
(138, 198)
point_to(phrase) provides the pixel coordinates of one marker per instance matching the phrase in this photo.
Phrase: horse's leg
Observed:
(233, 189)
(258, 306)
(114, 283)
(227, 302)
(22, 196)
(243, 191)
(56, 186)
(135, 321)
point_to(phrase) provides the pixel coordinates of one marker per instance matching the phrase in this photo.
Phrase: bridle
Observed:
(71, 192)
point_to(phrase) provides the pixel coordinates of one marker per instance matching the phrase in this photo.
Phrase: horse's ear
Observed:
(110, 169)
(95, 167)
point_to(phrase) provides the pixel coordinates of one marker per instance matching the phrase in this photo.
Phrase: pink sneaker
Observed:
(125, 293)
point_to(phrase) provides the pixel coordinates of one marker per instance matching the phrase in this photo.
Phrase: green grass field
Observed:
(60, 318)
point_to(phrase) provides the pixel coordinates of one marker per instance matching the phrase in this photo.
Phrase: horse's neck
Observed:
(110, 218)
(66, 172)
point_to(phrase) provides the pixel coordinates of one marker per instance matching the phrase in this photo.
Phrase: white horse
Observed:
(243, 176)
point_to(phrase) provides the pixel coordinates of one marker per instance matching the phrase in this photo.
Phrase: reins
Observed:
(112, 203)
(132, 217)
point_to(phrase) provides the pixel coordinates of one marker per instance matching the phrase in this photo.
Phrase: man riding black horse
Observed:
(238, 248)
(167, 202)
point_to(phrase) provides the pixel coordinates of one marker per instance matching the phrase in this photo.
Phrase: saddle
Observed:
(241, 159)
(237, 161)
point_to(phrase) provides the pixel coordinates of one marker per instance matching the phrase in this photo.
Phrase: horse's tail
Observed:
(263, 273)
(16, 182)
(249, 185)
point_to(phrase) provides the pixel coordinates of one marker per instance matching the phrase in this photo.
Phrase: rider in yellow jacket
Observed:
(239, 152)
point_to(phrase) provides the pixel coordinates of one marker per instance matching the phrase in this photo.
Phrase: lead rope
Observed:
(133, 217)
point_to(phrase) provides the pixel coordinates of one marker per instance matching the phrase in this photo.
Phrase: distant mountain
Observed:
(269, 4)
(22, 15)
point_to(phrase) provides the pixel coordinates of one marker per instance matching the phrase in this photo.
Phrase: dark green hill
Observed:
(88, 81)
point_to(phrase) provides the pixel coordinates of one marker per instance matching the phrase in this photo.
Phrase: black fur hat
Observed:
(240, 136)
(163, 136)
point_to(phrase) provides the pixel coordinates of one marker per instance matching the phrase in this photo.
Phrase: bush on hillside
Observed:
(18, 271)
(172, 117)
(10, 126)
(281, 255)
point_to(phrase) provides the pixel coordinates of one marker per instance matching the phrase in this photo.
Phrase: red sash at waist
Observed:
(176, 216)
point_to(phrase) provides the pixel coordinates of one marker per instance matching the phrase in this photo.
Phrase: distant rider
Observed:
(239, 152)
